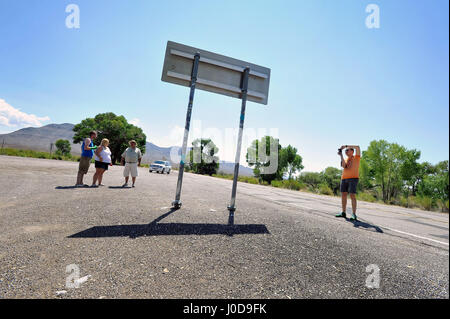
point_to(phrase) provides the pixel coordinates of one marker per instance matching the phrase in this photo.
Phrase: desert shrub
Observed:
(324, 189)
(366, 197)
(222, 175)
(425, 202)
(37, 154)
(413, 202)
(289, 184)
(403, 201)
(276, 183)
(443, 205)
(311, 189)
(247, 179)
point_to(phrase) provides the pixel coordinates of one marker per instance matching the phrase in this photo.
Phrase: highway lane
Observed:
(429, 227)
(285, 244)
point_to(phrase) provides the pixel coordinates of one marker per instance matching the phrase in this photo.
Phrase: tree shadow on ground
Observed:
(169, 229)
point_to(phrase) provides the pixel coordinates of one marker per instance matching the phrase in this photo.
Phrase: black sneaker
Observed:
(341, 215)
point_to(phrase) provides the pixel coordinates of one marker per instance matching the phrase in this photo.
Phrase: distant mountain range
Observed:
(40, 139)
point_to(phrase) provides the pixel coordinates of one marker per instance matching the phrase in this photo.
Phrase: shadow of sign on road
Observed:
(167, 229)
(87, 186)
(70, 187)
(119, 187)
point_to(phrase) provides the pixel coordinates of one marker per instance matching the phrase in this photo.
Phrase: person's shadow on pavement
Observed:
(358, 223)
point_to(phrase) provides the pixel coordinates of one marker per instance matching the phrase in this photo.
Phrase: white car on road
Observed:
(160, 167)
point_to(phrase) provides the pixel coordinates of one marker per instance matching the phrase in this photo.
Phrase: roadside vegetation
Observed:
(37, 154)
(389, 173)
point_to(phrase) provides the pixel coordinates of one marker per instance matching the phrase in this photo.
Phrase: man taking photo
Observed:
(350, 177)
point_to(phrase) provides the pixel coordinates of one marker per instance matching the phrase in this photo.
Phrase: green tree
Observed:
(265, 157)
(202, 157)
(63, 147)
(384, 162)
(332, 177)
(312, 179)
(366, 175)
(292, 160)
(115, 128)
(412, 171)
(435, 184)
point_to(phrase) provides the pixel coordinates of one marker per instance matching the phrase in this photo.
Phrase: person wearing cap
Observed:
(350, 177)
(131, 158)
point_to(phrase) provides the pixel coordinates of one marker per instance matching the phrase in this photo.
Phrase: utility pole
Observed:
(51, 147)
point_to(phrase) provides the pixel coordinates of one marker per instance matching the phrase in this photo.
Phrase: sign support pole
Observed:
(177, 203)
(244, 89)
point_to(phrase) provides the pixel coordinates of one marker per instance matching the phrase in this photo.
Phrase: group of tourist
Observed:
(131, 159)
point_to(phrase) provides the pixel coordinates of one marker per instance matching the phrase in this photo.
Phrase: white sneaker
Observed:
(125, 185)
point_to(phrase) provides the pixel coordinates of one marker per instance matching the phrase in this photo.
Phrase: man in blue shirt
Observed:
(87, 151)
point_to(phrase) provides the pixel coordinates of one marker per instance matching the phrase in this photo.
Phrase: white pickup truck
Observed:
(160, 167)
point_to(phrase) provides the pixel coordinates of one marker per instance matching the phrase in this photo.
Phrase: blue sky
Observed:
(333, 80)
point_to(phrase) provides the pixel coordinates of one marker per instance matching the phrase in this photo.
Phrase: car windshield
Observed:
(159, 162)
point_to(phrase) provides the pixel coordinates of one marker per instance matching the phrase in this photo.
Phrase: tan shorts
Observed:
(130, 168)
(85, 162)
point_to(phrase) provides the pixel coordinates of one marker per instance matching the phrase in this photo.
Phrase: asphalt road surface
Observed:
(128, 243)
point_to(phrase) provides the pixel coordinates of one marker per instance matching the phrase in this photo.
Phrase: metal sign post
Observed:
(212, 72)
(244, 88)
(177, 202)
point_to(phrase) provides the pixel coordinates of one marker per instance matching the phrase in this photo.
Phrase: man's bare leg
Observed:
(133, 179)
(344, 202)
(353, 197)
(344, 205)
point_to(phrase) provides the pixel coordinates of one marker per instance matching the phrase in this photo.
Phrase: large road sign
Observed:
(195, 68)
(216, 73)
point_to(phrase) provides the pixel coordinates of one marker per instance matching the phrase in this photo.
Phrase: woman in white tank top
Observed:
(102, 161)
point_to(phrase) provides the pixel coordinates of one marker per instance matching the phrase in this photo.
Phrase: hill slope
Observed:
(40, 138)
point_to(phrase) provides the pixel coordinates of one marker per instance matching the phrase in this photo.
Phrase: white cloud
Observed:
(12, 117)
(174, 137)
